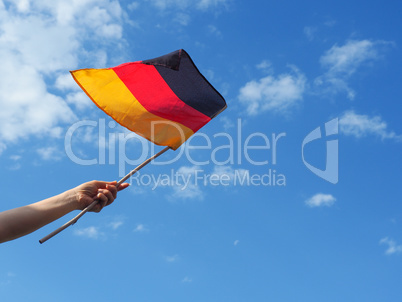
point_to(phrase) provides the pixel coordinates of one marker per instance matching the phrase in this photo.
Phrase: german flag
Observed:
(165, 100)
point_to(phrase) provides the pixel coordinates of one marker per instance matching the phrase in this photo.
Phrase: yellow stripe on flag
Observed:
(110, 94)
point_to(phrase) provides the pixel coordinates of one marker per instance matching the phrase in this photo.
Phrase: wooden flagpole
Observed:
(88, 208)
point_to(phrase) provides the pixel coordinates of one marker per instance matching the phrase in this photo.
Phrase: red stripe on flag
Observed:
(155, 95)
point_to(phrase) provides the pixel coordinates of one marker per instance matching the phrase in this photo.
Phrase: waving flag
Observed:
(165, 100)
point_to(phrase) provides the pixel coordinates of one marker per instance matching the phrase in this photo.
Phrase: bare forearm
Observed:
(24, 220)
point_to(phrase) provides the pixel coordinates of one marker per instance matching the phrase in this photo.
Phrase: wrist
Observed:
(71, 199)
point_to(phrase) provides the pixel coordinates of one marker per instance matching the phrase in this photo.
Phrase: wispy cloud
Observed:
(173, 258)
(190, 181)
(341, 62)
(347, 58)
(79, 100)
(182, 11)
(65, 82)
(236, 242)
(187, 280)
(358, 125)
(7, 278)
(319, 200)
(15, 157)
(265, 66)
(3, 147)
(140, 228)
(114, 225)
(16, 165)
(227, 123)
(89, 232)
(309, 32)
(186, 187)
(227, 174)
(49, 153)
(106, 229)
(210, 4)
(182, 18)
(393, 247)
(186, 4)
(223, 170)
(133, 5)
(273, 93)
(214, 30)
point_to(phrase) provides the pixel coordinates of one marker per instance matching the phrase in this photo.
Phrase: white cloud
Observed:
(49, 153)
(114, 31)
(185, 4)
(393, 248)
(89, 14)
(140, 228)
(89, 232)
(116, 224)
(22, 5)
(310, 32)
(39, 40)
(347, 58)
(214, 30)
(182, 19)
(17, 163)
(227, 123)
(7, 278)
(2, 147)
(224, 170)
(15, 157)
(133, 6)
(227, 175)
(27, 107)
(39, 43)
(66, 82)
(187, 280)
(320, 199)
(351, 123)
(173, 258)
(189, 182)
(266, 66)
(343, 61)
(207, 4)
(79, 99)
(270, 93)
(186, 187)
(166, 4)
(236, 242)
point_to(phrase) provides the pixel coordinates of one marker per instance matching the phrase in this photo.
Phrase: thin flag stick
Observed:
(88, 208)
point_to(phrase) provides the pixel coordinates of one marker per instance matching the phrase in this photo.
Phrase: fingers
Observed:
(123, 186)
(105, 184)
(107, 195)
(114, 184)
(112, 190)
(110, 193)
(104, 191)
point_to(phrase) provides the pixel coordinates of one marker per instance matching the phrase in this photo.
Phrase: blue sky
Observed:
(237, 213)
